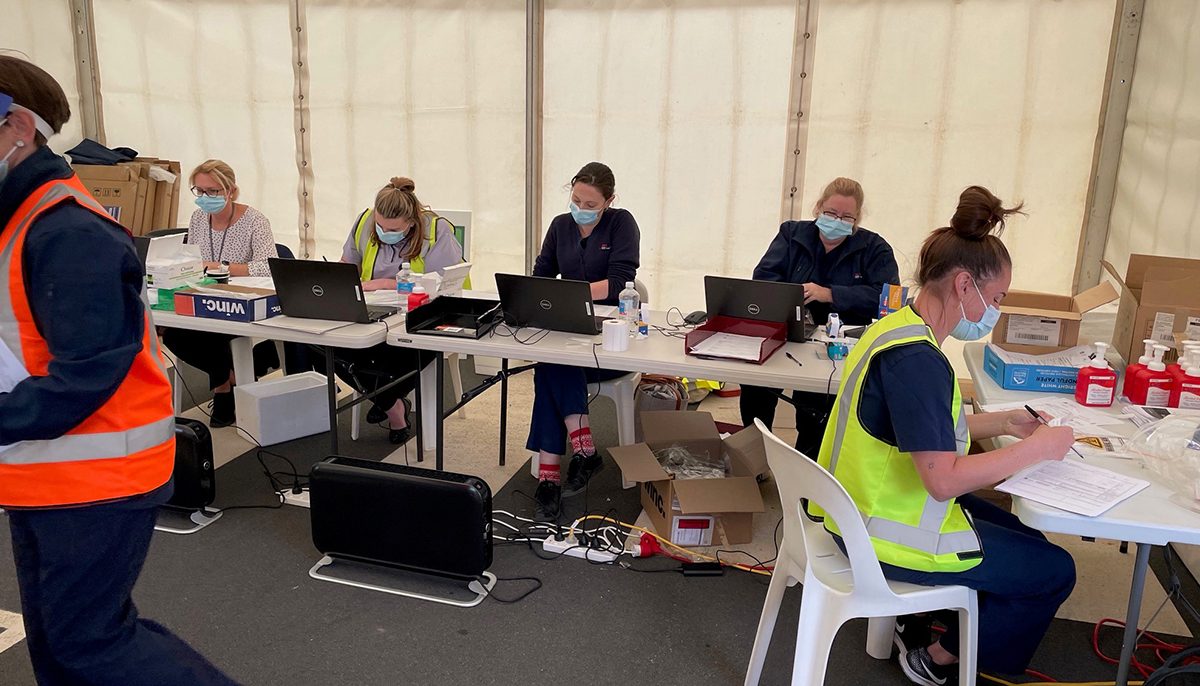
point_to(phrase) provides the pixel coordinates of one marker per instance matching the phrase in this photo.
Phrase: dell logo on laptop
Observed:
(752, 308)
(546, 304)
(317, 290)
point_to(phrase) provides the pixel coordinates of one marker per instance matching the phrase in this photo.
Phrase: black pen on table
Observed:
(793, 359)
(1043, 421)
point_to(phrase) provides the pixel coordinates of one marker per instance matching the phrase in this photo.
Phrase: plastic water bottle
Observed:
(404, 280)
(834, 326)
(629, 304)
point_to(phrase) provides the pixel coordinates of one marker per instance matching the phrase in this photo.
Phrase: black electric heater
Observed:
(416, 520)
(194, 480)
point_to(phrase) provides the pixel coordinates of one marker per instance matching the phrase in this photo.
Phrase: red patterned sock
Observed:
(548, 471)
(581, 441)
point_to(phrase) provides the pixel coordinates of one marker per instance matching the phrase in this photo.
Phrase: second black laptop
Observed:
(315, 289)
(545, 303)
(766, 301)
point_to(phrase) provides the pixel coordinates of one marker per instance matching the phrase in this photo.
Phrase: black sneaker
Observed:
(581, 469)
(222, 410)
(912, 632)
(547, 501)
(920, 668)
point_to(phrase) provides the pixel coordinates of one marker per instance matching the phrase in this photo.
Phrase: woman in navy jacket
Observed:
(597, 243)
(843, 268)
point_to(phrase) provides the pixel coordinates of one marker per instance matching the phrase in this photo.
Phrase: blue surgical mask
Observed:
(833, 229)
(967, 330)
(583, 217)
(389, 237)
(211, 205)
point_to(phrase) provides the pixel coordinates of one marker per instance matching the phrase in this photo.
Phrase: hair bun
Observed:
(403, 183)
(979, 213)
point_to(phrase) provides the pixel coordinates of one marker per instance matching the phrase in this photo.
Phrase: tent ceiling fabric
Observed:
(688, 103)
(686, 100)
(41, 31)
(919, 99)
(197, 80)
(433, 91)
(1156, 208)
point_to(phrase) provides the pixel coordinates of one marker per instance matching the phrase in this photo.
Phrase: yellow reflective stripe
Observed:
(368, 248)
(96, 446)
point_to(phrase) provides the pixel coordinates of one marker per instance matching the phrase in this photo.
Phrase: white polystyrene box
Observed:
(283, 409)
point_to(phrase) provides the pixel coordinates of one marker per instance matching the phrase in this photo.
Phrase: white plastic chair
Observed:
(837, 589)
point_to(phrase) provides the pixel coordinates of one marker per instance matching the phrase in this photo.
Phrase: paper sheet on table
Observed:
(731, 346)
(1143, 415)
(315, 326)
(1066, 408)
(1073, 486)
(1071, 357)
(385, 296)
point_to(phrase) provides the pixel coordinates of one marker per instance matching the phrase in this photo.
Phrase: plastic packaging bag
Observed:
(1171, 449)
(682, 463)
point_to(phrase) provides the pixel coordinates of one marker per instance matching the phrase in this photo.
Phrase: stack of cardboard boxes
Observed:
(132, 194)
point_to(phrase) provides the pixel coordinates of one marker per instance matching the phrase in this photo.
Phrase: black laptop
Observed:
(315, 289)
(544, 303)
(767, 301)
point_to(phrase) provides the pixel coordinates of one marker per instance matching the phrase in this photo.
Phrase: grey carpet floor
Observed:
(239, 592)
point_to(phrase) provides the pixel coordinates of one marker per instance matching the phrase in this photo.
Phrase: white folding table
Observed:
(1149, 518)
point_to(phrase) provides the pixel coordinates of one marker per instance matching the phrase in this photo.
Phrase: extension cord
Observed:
(570, 546)
(297, 499)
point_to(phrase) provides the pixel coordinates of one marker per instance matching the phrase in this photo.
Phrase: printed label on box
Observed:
(1027, 330)
(692, 530)
(1164, 324)
(1193, 327)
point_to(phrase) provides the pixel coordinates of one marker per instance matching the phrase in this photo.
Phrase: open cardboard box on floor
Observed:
(685, 511)
(1160, 297)
(1038, 323)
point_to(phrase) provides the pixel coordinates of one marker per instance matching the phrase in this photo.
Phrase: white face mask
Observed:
(4, 160)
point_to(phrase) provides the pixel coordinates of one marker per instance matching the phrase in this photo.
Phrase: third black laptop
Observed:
(768, 301)
(315, 289)
(545, 303)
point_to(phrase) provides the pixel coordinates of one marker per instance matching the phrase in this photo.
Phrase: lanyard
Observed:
(212, 239)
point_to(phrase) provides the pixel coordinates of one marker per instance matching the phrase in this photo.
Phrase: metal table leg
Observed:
(439, 402)
(503, 408)
(420, 415)
(1140, 564)
(331, 385)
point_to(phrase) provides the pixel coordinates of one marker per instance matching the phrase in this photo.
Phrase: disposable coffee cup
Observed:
(218, 274)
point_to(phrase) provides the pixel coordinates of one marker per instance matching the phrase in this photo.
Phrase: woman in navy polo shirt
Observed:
(597, 243)
(843, 268)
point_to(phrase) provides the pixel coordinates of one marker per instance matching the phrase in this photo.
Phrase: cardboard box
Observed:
(1036, 323)
(222, 301)
(685, 511)
(1028, 377)
(118, 188)
(1160, 296)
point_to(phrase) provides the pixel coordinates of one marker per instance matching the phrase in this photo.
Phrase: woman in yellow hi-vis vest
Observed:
(897, 440)
(397, 229)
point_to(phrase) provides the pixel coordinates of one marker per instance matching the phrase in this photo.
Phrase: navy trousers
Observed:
(1022, 581)
(76, 568)
(560, 391)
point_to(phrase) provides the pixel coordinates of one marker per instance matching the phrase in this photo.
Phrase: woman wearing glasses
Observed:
(843, 268)
(238, 237)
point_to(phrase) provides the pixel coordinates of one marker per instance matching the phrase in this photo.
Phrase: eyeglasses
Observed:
(844, 217)
(206, 192)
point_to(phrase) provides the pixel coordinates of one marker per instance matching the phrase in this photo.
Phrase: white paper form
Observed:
(1073, 486)
(1085, 421)
(731, 346)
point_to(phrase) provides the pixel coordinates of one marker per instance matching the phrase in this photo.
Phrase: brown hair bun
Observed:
(402, 183)
(979, 213)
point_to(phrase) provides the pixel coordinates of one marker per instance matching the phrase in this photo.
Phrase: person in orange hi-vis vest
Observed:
(86, 423)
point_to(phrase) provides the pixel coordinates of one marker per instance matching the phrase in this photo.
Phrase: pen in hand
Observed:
(1043, 421)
